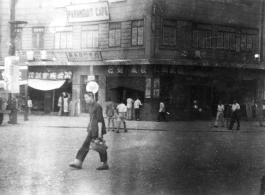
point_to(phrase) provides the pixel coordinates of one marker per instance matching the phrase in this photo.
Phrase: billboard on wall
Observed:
(11, 75)
(88, 12)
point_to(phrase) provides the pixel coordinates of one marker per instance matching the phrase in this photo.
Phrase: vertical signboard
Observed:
(11, 76)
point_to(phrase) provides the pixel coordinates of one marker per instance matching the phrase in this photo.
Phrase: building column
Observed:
(259, 95)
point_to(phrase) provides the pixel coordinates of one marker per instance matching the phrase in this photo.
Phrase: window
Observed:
(243, 42)
(169, 33)
(18, 40)
(232, 41)
(202, 38)
(64, 37)
(249, 43)
(38, 37)
(220, 40)
(115, 34)
(89, 36)
(137, 33)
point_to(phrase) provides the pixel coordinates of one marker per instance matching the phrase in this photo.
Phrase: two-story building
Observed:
(152, 49)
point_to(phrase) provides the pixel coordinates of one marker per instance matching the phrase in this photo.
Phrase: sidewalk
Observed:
(81, 122)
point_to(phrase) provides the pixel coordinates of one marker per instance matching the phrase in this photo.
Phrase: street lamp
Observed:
(12, 52)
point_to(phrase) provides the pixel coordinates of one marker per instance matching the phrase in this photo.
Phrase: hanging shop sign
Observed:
(11, 74)
(50, 75)
(84, 56)
(88, 12)
(22, 76)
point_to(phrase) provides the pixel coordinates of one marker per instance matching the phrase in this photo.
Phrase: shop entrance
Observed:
(47, 101)
(120, 88)
(201, 101)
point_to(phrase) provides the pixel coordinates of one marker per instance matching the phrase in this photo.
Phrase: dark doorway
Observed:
(201, 101)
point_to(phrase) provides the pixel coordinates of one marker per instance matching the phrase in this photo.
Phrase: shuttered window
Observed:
(38, 37)
(89, 36)
(64, 37)
(115, 34)
(137, 32)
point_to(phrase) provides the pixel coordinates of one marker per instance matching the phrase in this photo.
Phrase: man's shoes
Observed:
(125, 130)
(103, 167)
(118, 131)
(215, 126)
(77, 164)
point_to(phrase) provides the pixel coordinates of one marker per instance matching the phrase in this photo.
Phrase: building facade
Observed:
(151, 49)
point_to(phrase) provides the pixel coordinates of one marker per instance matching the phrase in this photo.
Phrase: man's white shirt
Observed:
(235, 107)
(220, 108)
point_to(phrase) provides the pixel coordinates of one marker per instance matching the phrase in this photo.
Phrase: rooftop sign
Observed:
(88, 12)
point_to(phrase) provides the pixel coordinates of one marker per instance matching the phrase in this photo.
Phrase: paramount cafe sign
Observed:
(88, 12)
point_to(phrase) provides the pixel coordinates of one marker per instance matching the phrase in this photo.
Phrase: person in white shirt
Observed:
(121, 109)
(137, 105)
(162, 111)
(235, 115)
(129, 108)
(220, 114)
(29, 105)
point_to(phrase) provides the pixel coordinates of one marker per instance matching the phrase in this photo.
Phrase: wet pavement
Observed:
(195, 159)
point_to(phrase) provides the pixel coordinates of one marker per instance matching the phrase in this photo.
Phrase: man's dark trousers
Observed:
(163, 115)
(81, 154)
(137, 113)
(235, 117)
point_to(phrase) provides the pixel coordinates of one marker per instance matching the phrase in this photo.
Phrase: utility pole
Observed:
(12, 52)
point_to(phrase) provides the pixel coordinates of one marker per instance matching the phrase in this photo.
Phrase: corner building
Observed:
(154, 49)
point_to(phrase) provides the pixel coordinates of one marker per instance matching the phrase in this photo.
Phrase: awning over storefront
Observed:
(45, 85)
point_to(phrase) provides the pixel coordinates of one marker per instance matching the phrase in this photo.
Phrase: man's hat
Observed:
(92, 86)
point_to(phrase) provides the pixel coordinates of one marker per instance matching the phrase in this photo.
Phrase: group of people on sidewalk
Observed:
(121, 112)
(235, 115)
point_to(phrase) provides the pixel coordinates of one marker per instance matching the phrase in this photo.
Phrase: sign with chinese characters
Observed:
(11, 74)
(50, 75)
(88, 12)
(84, 56)
(148, 88)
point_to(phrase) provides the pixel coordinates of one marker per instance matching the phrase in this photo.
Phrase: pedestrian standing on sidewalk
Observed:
(263, 108)
(162, 111)
(60, 104)
(137, 105)
(129, 108)
(65, 104)
(29, 105)
(220, 114)
(121, 109)
(110, 112)
(235, 115)
(96, 129)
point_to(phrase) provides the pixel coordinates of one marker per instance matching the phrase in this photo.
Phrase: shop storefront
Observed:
(46, 85)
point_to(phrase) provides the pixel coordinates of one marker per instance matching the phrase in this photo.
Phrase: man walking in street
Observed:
(235, 115)
(220, 114)
(96, 129)
(129, 108)
(121, 109)
(162, 111)
(137, 105)
(110, 113)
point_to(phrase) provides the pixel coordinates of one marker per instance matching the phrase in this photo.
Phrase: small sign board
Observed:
(88, 12)
(84, 56)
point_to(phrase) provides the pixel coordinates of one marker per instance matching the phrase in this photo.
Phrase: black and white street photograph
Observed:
(132, 97)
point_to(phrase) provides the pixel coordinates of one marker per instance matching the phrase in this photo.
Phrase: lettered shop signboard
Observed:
(88, 12)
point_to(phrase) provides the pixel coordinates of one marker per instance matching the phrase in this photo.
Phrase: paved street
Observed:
(193, 158)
